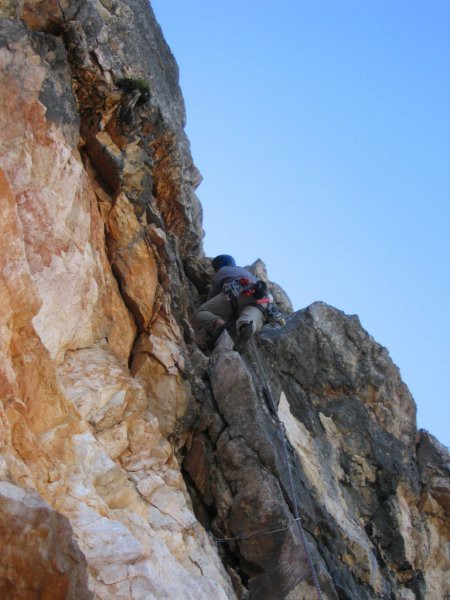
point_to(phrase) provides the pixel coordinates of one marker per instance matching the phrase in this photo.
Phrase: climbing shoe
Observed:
(246, 332)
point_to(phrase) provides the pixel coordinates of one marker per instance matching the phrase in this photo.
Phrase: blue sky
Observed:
(322, 131)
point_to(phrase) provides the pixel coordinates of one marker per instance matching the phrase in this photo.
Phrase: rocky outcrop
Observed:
(258, 268)
(104, 390)
(371, 503)
(40, 557)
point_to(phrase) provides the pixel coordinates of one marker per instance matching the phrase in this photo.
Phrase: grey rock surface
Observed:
(259, 269)
(359, 482)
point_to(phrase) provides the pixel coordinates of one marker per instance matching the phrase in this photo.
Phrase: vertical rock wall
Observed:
(373, 493)
(98, 213)
(103, 389)
(358, 447)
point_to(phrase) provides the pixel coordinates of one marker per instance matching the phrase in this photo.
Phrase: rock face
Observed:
(371, 503)
(40, 556)
(98, 212)
(258, 268)
(106, 399)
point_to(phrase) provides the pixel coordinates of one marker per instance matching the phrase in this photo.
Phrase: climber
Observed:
(235, 293)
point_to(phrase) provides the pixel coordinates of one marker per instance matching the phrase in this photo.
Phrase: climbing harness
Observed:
(282, 431)
(263, 299)
(243, 285)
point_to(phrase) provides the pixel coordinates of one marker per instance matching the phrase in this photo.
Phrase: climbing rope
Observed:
(246, 536)
(274, 412)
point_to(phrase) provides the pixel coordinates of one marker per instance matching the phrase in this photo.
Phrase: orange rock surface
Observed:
(92, 501)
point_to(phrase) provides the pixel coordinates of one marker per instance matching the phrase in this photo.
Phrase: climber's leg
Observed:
(250, 314)
(216, 309)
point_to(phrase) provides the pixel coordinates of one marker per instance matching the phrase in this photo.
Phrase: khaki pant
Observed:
(220, 307)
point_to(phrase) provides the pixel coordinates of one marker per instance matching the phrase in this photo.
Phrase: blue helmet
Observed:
(223, 260)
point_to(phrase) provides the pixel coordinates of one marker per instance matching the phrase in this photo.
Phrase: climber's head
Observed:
(223, 260)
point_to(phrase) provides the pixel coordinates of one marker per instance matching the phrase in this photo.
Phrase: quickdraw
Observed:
(275, 316)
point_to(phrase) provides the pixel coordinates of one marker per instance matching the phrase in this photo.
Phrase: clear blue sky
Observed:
(322, 130)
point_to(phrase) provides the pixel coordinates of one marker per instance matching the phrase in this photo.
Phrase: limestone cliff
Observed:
(110, 411)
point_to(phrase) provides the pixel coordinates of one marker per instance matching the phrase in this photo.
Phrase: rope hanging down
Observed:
(273, 411)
